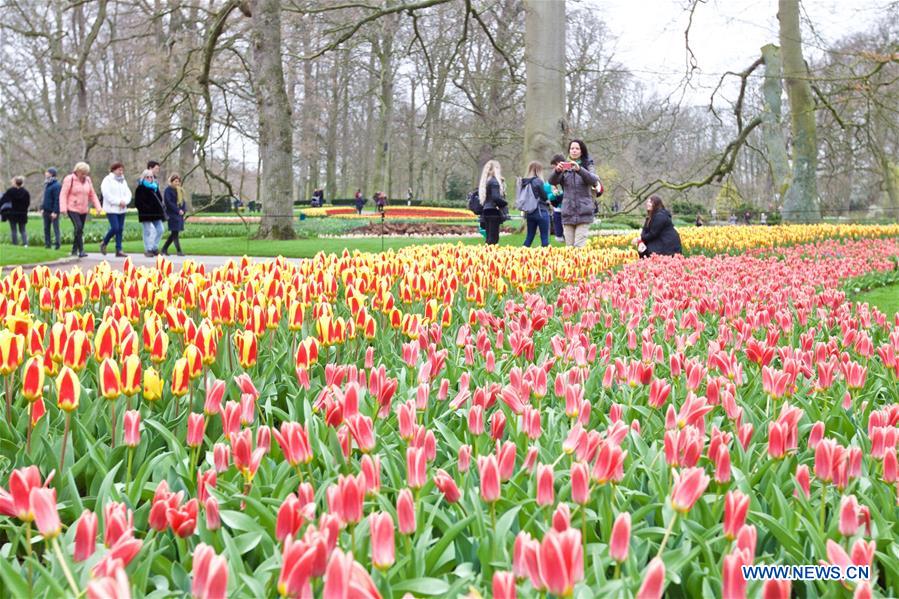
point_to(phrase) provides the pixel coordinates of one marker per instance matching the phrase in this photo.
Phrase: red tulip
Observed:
(132, 375)
(405, 512)
(183, 519)
(68, 389)
(736, 505)
(298, 558)
(131, 425)
(489, 473)
(196, 428)
(345, 578)
(653, 580)
(33, 378)
(382, 540)
(504, 585)
(85, 536)
(561, 561)
(110, 379)
(46, 516)
(246, 459)
(76, 351)
(620, 541)
(688, 487)
(545, 490)
(210, 574)
(609, 465)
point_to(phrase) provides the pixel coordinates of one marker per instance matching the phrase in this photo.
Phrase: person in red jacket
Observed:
(75, 198)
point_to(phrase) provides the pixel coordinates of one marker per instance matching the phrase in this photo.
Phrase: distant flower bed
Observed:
(390, 212)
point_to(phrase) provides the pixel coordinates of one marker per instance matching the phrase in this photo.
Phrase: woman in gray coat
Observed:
(577, 179)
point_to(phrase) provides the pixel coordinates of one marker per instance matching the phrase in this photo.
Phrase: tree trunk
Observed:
(544, 54)
(384, 52)
(772, 129)
(331, 132)
(276, 135)
(801, 201)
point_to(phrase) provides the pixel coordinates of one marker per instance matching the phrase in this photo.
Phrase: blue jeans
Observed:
(116, 229)
(152, 235)
(539, 218)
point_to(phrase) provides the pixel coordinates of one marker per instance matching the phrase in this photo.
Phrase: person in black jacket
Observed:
(150, 212)
(539, 217)
(50, 207)
(175, 207)
(14, 203)
(490, 192)
(658, 235)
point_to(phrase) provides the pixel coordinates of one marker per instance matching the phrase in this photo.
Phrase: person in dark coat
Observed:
(150, 212)
(15, 203)
(577, 180)
(175, 207)
(359, 201)
(490, 192)
(50, 207)
(658, 235)
(539, 218)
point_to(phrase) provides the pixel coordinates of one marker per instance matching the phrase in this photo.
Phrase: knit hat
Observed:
(52, 171)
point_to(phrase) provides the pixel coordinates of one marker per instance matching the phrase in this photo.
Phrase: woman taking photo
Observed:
(116, 196)
(75, 198)
(539, 217)
(174, 208)
(658, 235)
(576, 178)
(490, 193)
(150, 212)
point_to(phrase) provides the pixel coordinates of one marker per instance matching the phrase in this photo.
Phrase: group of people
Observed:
(75, 195)
(566, 202)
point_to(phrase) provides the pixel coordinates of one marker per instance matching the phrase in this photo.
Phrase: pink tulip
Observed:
(196, 428)
(371, 473)
(213, 518)
(416, 467)
(85, 536)
(118, 521)
(746, 539)
(489, 472)
(776, 589)
(580, 483)
(653, 580)
(210, 574)
(131, 425)
(504, 585)
(221, 456)
(405, 512)
(111, 584)
(345, 578)
(382, 540)
(505, 460)
(849, 515)
(293, 439)
(205, 481)
(215, 392)
(545, 490)
(46, 516)
(562, 517)
(17, 501)
(476, 420)
(803, 480)
(863, 591)
(621, 537)
(300, 560)
(290, 518)
(464, 461)
(246, 386)
(447, 485)
(815, 434)
(736, 505)
(561, 561)
(345, 498)
(689, 485)
(862, 552)
(733, 585)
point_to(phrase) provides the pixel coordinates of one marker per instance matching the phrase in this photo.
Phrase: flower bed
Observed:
(412, 212)
(445, 420)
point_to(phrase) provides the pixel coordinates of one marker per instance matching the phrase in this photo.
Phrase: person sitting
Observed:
(658, 235)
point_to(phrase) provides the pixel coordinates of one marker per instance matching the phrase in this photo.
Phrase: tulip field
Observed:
(454, 421)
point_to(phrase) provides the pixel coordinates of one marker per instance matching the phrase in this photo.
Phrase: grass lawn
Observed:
(885, 298)
(16, 254)
(304, 248)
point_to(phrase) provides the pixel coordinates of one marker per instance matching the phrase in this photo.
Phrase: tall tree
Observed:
(772, 129)
(275, 133)
(801, 201)
(544, 106)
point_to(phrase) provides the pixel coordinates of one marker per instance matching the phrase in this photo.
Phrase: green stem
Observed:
(9, 400)
(128, 472)
(65, 438)
(617, 570)
(112, 419)
(823, 504)
(667, 534)
(300, 472)
(65, 567)
(28, 552)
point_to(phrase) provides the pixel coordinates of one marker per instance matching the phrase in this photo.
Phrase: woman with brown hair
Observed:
(658, 235)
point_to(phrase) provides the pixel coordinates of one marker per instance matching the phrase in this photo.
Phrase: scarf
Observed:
(152, 185)
(119, 178)
(50, 181)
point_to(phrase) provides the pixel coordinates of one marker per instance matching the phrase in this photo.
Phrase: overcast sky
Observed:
(726, 34)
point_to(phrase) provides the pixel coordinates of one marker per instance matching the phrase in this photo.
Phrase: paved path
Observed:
(96, 259)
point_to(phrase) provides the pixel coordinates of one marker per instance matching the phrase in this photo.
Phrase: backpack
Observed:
(474, 202)
(525, 199)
